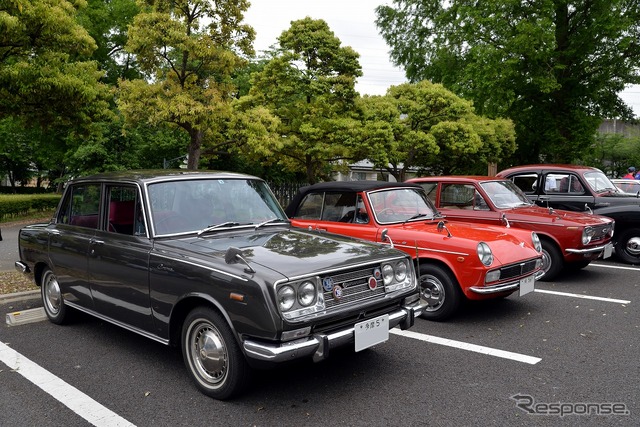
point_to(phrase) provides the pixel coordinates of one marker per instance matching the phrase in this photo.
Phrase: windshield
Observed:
(505, 194)
(599, 182)
(186, 206)
(400, 205)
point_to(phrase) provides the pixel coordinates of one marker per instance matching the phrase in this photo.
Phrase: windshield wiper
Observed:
(214, 226)
(416, 216)
(268, 222)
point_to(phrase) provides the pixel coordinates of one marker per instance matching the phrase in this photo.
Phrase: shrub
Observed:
(22, 204)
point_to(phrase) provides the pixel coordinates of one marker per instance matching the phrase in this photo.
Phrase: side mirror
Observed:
(234, 256)
(384, 236)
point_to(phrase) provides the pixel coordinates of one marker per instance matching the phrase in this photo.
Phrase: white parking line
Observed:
(466, 346)
(615, 267)
(566, 294)
(65, 393)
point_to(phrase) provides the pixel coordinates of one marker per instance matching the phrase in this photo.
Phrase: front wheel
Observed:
(439, 291)
(552, 262)
(52, 298)
(628, 246)
(212, 355)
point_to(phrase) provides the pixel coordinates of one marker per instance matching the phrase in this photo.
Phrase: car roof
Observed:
(157, 175)
(344, 186)
(547, 167)
(457, 178)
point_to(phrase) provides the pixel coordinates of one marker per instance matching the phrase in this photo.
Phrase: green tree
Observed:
(427, 127)
(189, 49)
(45, 76)
(310, 87)
(554, 67)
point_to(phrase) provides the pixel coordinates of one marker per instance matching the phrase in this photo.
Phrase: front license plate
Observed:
(527, 284)
(372, 332)
(608, 250)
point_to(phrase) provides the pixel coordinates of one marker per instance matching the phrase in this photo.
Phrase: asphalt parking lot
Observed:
(566, 354)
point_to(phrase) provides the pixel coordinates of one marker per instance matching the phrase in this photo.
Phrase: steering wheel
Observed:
(170, 223)
(386, 211)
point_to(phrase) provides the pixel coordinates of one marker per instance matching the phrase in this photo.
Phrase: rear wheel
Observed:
(52, 298)
(628, 246)
(552, 262)
(439, 291)
(212, 355)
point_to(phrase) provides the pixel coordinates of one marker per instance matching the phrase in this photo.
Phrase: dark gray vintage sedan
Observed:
(208, 261)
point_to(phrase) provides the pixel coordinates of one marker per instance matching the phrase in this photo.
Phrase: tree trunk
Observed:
(195, 149)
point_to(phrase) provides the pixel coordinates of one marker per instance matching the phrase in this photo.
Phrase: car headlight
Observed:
(485, 254)
(401, 271)
(286, 298)
(535, 239)
(387, 274)
(587, 235)
(306, 294)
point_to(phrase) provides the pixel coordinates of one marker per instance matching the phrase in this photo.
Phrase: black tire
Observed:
(578, 265)
(52, 299)
(628, 246)
(552, 262)
(212, 355)
(439, 291)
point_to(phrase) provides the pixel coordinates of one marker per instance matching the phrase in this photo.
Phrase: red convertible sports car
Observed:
(569, 239)
(455, 260)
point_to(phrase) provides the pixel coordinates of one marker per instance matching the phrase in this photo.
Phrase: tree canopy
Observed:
(555, 67)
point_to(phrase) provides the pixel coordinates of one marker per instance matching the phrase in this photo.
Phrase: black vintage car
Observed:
(583, 188)
(209, 262)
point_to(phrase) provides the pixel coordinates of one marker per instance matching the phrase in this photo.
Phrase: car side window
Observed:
(339, 207)
(81, 206)
(310, 207)
(431, 189)
(124, 211)
(528, 182)
(457, 196)
(479, 204)
(563, 183)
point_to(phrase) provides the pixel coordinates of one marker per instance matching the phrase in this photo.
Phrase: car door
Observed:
(564, 190)
(69, 241)
(119, 259)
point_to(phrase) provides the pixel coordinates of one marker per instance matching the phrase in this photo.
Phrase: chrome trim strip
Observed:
(318, 345)
(589, 250)
(496, 288)
(159, 255)
(413, 248)
(118, 323)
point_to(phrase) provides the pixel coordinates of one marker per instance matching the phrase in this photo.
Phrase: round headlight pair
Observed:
(389, 272)
(305, 295)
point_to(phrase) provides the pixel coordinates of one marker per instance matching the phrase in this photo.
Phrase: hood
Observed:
(542, 215)
(285, 252)
(508, 245)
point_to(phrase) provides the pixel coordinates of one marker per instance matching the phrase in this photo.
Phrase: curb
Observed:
(19, 296)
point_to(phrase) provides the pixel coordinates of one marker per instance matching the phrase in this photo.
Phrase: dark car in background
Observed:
(569, 239)
(455, 260)
(583, 189)
(209, 262)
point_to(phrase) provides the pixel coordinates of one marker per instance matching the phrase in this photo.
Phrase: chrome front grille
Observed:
(600, 232)
(516, 270)
(354, 286)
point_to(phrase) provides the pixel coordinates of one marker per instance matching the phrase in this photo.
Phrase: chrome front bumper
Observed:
(589, 250)
(318, 345)
(512, 285)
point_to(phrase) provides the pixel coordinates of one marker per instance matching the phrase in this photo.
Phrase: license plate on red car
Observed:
(608, 250)
(527, 284)
(371, 332)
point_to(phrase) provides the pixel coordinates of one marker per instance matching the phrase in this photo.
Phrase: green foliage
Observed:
(553, 67)
(309, 85)
(428, 128)
(13, 205)
(613, 153)
(189, 50)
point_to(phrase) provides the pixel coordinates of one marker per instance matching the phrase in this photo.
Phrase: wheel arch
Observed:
(182, 309)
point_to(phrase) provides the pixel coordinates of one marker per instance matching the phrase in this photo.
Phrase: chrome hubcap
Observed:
(209, 353)
(52, 295)
(633, 246)
(431, 292)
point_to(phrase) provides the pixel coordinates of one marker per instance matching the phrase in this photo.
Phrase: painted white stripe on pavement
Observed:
(615, 267)
(68, 395)
(467, 346)
(566, 294)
